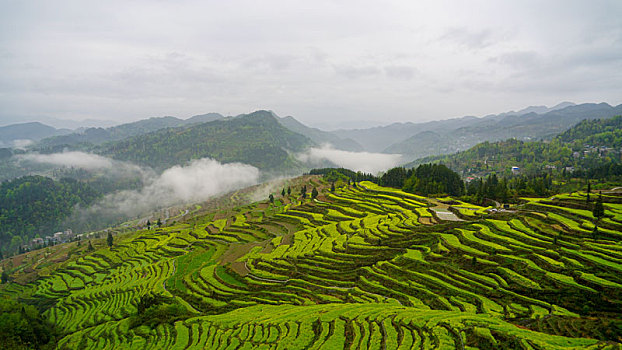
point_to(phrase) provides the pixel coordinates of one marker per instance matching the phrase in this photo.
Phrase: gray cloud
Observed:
(400, 72)
(353, 72)
(470, 39)
(129, 60)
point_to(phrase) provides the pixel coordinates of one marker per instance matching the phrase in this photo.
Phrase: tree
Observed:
(332, 187)
(599, 210)
(589, 189)
(271, 197)
(303, 192)
(289, 190)
(5, 277)
(314, 193)
(148, 225)
(109, 239)
(283, 192)
(348, 181)
(90, 247)
(159, 223)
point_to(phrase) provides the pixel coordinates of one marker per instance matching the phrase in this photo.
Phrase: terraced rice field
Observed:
(365, 267)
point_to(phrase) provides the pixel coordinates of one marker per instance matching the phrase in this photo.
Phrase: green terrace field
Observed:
(365, 267)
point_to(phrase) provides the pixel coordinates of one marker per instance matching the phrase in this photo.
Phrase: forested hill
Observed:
(35, 205)
(603, 131)
(257, 139)
(592, 146)
(97, 136)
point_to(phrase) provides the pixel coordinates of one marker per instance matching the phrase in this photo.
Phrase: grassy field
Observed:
(365, 267)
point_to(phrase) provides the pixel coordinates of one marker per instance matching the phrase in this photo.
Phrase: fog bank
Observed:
(358, 161)
(196, 182)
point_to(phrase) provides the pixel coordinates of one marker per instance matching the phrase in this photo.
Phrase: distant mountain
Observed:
(538, 109)
(378, 139)
(592, 146)
(96, 136)
(320, 137)
(33, 131)
(202, 118)
(56, 122)
(257, 139)
(527, 127)
(420, 145)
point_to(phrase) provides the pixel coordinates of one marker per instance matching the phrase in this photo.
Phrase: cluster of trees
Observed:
(22, 327)
(438, 179)
(507, 190)
(38, 205)
(395, 177)
(155, 309)
(336, 174)
(430, 179)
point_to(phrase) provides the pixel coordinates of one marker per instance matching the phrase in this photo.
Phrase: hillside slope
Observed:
(363, 267)
(587, 146)
(256, 139)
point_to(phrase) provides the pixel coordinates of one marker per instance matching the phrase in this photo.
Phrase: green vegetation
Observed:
(428, 179)
(363, 266)
(21, 327)
(589, 149)
(256, 139)
(35, 205)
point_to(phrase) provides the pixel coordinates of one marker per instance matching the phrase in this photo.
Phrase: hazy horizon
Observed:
(326, 63)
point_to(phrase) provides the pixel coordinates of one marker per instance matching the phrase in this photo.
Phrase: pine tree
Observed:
(314, 193)
(159, 223)
(90, 247)
(109, 239)
(283, 193)
(332, 187)
(271, 197)
(148, 225)
(289, 190)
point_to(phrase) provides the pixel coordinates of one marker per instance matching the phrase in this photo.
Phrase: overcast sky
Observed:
(324, 62)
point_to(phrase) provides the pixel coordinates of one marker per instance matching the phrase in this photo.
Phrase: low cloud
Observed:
(81, 160)
(263, 191)
(22, 143)
(196, 182)
(358, 161)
